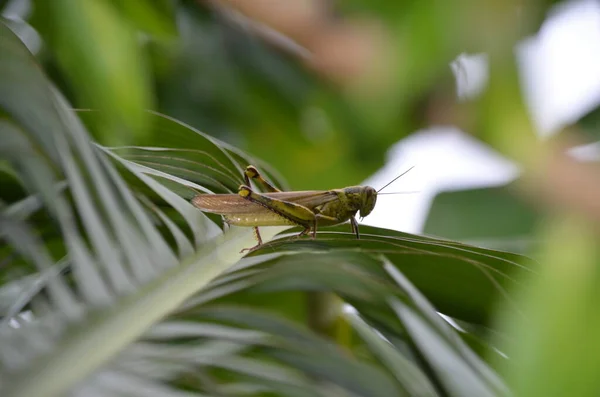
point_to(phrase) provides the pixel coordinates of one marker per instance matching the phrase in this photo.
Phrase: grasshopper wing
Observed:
(308, 198)
(238, 211)
(225, 204)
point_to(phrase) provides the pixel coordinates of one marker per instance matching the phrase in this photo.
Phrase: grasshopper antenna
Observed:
(412, 192)
(395, 179)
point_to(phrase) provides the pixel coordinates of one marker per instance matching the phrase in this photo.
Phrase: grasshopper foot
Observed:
(251, 249)
(304, 232)
(258, 239)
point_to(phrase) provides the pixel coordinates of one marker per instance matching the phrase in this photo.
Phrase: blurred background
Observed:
(296, 84)
(560, 72)
(494, 103)
(333, 94)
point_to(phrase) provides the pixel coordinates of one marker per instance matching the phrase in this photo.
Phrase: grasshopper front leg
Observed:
(355, 227)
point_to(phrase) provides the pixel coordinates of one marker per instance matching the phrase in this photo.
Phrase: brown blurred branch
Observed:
(264, 32)
(561, 181)
(342, 50)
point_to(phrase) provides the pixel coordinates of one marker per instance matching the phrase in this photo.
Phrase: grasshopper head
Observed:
(368, 200)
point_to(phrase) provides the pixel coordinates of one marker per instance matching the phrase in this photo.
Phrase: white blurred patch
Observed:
(590, 152)
(471, 73)
(561, 66)
(444, 159)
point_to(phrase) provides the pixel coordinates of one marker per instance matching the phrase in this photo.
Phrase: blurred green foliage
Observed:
(201, 65)
(467, 215)
(97, 51)
(215, 77)
(205, 64)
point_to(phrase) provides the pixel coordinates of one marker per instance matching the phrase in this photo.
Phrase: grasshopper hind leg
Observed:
(252, 173)
(257, 235)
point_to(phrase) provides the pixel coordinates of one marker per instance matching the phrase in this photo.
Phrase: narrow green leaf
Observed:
(462, 281)
(411, 377)
(113, 328)
(445, 351)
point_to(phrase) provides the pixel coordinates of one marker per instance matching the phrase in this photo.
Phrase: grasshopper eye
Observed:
(369, 198)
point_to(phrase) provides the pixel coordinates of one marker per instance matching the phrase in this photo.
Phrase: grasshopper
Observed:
(309, 209)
